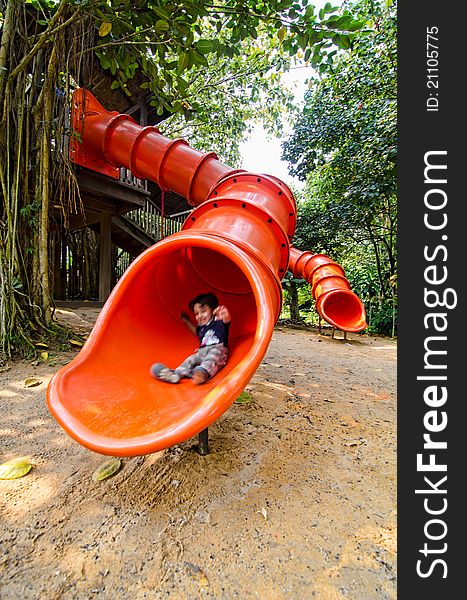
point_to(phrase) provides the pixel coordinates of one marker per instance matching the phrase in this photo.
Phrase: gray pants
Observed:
(210, 358)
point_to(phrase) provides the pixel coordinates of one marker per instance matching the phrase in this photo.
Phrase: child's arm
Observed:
(221, 313)
(186, 319)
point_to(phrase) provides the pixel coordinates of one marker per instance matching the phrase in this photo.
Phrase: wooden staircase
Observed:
(126, 214)
(143, 227)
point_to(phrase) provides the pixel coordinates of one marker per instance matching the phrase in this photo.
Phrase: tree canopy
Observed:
(171, 40)
(344, 147)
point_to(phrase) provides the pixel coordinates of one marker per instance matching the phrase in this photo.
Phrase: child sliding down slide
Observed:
(212, 329)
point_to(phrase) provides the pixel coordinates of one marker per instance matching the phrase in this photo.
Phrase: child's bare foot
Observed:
(200, 375)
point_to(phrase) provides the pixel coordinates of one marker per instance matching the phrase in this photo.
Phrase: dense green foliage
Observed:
(171, 40)
(344, 147)
(216, 65)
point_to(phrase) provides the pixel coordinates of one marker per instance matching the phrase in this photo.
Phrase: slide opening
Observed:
(180, 275)
(112, 402)
(143, 323)
(344, 310)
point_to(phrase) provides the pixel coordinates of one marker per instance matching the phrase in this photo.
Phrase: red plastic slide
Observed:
(236, 243)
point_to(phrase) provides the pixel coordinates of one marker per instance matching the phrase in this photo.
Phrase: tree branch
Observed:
(51, 30)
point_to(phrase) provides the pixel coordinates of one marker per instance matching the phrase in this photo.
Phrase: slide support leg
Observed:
(203, 442)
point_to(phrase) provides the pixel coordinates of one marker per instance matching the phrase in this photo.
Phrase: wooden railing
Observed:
(77, 257)
(122, 261)
(127, 178)
(151, 221)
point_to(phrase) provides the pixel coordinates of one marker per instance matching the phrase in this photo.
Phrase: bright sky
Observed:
(262, 154)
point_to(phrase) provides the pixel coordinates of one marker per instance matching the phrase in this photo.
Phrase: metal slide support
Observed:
(203, 442)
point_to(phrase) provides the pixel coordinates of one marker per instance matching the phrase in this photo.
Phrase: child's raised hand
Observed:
(221, 313)
(184, 316)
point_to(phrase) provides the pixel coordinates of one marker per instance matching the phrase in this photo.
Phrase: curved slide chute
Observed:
(235, 243)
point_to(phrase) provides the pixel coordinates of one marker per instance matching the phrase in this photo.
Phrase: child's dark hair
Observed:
(208, 299)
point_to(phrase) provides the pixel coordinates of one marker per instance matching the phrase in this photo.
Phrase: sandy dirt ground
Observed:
(296, 500)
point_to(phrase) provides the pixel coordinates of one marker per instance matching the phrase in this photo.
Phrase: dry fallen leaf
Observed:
(358, 442)
(110, 467)
(32, 382)
(196, 574)
(76, 343)
(15, 468)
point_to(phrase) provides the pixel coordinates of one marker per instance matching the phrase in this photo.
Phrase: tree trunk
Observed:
(7, 35)
(293, 303)
(48, 91)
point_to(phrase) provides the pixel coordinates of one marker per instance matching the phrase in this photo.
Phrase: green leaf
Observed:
(355, 25)
(15, 468)
(105, 62)
(161, 26)
(205, 46)
(344, 22)
(182, 84)
(76, 136)
(244, 398)
(105, 28)
(183, 61)
(107, 469)
(198, 58)
(282, 33)
(343, 41)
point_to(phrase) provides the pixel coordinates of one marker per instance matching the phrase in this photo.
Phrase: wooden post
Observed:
(57, 281)
(143, 113)
(105, 257)
(74, 289)
(64, 275)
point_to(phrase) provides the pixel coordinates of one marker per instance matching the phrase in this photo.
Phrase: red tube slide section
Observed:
(335, 301)
(236, 243)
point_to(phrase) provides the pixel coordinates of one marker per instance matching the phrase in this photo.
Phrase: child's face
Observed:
(203, 313)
